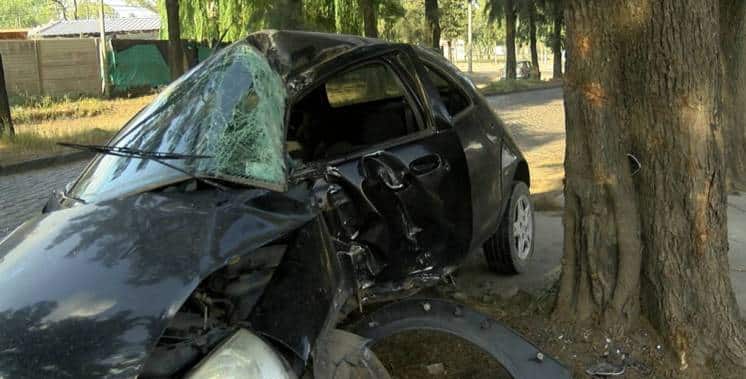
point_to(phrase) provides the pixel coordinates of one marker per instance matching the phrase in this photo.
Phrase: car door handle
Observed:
(425, 164)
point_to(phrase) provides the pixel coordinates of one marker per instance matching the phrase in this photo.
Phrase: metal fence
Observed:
(51, 67)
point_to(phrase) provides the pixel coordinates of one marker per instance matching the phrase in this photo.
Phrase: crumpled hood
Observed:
(87, 291)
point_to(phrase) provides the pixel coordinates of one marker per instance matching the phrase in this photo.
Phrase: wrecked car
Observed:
(241, 224)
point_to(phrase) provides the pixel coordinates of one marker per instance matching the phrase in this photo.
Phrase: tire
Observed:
(510, 249)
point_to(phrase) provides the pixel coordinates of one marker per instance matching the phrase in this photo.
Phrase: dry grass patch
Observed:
(89, 121)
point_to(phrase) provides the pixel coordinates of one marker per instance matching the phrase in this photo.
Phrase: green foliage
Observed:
(347, 14)
(453, 18)
(25, 13)
(151, 5)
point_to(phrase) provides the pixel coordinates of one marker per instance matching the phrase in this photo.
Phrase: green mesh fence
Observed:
(138, 66)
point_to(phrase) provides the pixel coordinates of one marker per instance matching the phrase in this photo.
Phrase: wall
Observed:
(51, 67)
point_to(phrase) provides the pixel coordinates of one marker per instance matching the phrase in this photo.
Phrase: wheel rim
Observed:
(523, 227)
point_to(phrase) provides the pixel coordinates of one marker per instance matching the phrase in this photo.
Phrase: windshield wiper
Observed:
(131, 152)
(156, 156)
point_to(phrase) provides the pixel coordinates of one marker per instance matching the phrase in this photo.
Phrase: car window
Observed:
(363, 85)
(352, 111)
(454, 98)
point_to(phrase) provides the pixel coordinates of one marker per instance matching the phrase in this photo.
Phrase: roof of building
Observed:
(113, 25)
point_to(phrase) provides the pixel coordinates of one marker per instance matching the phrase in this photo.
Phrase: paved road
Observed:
(25, 193)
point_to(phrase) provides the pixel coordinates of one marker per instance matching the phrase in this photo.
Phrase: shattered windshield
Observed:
(230, 108)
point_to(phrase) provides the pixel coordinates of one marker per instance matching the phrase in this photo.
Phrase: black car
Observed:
(286, 182)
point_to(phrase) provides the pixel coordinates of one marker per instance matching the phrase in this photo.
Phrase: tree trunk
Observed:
(6, 122)
(370, 21)
(432, 19)
(286, 14)
(644, 79)
(450, 50)
(535, 70)
(733, 44)
(175, 54)
(510, 60)
(75, 9)
(557, 39)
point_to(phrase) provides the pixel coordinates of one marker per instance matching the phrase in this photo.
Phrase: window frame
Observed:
(429, 65)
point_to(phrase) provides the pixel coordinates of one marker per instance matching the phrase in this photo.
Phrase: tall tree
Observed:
(497, 11)
(6, 122)
(452, 19)
(530, 12)
(733, 44)
(175, 53)
(557, 10)
(286, 14)
(644, 79)
(368, 14)
(432, 19)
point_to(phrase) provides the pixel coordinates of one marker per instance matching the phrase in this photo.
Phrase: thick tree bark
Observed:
(733, 45)
(557, 39)
(644, 79)
(6, 122)
(370, 21)
(432, 19)
(510, 59)
(175, 54)
(535, 70)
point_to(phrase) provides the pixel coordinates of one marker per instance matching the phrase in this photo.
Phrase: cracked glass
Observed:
(230, 108)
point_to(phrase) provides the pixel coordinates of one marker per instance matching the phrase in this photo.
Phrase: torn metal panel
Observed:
(88, 290)
(519, 357)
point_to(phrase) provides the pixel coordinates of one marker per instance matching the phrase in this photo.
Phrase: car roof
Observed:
(290, 52)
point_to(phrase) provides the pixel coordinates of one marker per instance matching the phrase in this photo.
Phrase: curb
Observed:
(45, 162)
(553, 86)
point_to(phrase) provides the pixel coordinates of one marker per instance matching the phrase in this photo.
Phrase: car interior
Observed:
(350, 112)
(453, 98)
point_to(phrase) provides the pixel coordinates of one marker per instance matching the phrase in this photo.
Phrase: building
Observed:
(116, 28)
(13, 34)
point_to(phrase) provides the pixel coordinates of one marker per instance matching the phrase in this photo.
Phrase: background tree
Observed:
(6, 121)
(80, 9)
(175, 52)
(732, 37)
(390, 12)
(453, 22)
(25, 13)
(497, 11)
(150, 5)
(555, 11)
(530, 19)
(644, 79)
(432, 20)
(368, 14)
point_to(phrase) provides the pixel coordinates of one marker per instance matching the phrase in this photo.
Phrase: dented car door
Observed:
(417, 189)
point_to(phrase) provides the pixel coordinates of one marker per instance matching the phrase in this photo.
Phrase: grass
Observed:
(41, 123)
(513, 85)
(41, 109)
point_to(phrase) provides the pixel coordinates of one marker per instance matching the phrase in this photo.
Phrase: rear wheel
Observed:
(509, 250)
